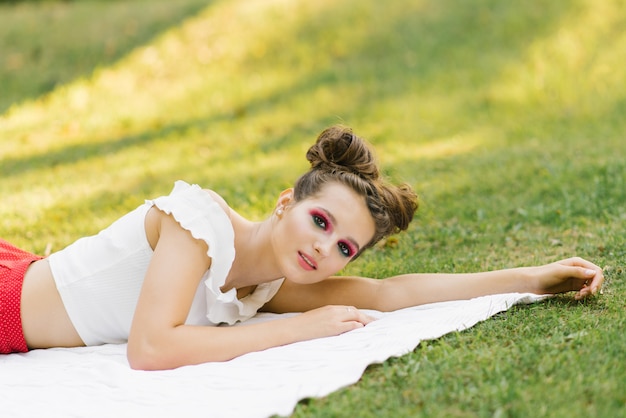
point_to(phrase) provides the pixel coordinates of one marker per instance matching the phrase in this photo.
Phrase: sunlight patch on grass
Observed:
(127, 90)
(584, 51)
(432, 149)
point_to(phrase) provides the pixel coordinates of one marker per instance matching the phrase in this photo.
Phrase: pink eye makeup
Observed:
(324, 220)
(321, 219)
(347, 249)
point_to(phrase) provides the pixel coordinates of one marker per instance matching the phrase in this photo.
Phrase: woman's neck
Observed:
(255, 261)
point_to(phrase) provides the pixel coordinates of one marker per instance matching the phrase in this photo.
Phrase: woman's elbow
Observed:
(145, 355)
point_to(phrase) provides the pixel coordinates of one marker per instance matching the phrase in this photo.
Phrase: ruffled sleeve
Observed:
(196, 211)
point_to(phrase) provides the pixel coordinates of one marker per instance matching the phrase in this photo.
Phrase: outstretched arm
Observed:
(573, 274)
(160, 339)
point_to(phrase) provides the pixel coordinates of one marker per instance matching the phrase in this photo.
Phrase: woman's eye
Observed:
(319, 221)
(345, 249)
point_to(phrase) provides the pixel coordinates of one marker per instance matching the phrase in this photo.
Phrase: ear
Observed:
(285, 198)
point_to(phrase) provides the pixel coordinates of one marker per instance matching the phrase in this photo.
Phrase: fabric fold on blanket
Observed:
(97, 381)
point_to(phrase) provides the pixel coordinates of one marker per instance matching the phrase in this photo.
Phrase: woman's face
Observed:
(316, 237)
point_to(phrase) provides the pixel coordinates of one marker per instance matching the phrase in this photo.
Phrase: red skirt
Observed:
(13, 265)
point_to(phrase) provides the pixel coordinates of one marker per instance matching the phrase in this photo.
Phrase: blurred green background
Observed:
(506, 117)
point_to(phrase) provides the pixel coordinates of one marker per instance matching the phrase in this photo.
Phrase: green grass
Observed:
(507, 118)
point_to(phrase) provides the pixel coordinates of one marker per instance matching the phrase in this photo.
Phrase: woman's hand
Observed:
(572, 274)
(328, 321)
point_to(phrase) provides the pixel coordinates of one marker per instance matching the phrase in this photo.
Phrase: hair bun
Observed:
(340, 156)
(338, 149)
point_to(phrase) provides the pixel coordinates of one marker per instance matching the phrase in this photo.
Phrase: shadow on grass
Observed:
(595, 303)
(418, 50)
(36, 37)
(435, 42)
(85, 150)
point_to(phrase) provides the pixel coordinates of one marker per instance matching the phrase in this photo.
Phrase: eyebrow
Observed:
(334, 222)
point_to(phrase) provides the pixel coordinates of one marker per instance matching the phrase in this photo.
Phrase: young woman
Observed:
(164, 275)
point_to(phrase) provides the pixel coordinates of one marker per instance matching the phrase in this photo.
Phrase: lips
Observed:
(306, 262)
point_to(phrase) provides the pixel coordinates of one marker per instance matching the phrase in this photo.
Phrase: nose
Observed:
(322, 247)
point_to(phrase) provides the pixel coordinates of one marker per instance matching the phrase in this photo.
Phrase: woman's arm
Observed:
(573, 274)
(159, 338)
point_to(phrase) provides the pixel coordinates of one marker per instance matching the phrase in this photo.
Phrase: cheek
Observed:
(335, 264)
(291, 229)
(299, 222)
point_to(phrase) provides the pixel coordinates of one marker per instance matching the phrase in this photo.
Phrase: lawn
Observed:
(508, 118)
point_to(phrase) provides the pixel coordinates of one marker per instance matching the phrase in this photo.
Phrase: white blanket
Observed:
(97, 381)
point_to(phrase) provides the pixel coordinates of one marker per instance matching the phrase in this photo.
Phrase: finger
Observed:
(589, 281)
(596, 282)
(594, 277)
(350, 326)
(591, 275)
(353, 314)
(581, 262)
(365, 319)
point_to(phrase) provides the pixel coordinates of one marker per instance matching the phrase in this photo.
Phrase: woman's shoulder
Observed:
(237, 220)
(202, 211)
(184, 196)
(219, 200)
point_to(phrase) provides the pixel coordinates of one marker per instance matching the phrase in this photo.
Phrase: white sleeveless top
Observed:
(100, 277)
